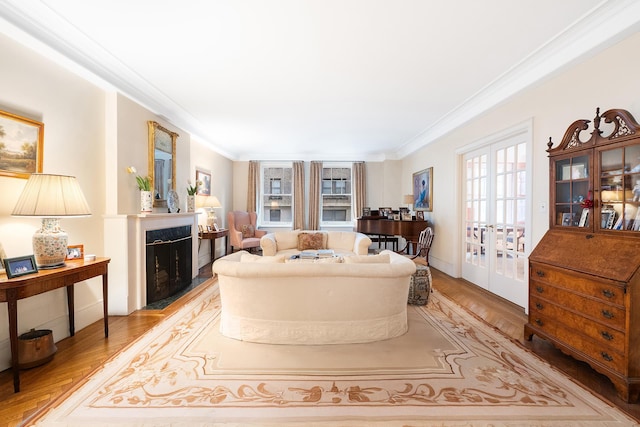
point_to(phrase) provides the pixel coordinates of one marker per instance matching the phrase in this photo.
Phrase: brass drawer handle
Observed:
(539, 322)
(539, 289)
(606, 356)
(606, 335)
(608, 293)
(539, 306)
(607, 314)
(540, 273)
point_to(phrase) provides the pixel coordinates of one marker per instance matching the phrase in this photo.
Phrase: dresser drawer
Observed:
(592, 308)
(611, 292)
(603, 353)
(599, 332)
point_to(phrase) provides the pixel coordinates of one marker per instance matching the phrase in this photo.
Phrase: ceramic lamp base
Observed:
(50, 244)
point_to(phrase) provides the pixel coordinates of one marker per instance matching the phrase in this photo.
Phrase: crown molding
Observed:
(603, 26)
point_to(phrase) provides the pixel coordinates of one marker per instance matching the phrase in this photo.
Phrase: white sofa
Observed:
(268, 300)
(342, 242)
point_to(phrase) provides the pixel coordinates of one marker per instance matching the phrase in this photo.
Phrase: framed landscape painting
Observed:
(204, 183)
(21, 145)
(423, 190)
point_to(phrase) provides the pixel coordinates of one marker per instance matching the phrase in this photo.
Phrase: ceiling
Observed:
(318, 79)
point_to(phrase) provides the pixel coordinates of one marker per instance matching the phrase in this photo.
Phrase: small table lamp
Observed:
(213, 203)
(408, 199)
(51, 197)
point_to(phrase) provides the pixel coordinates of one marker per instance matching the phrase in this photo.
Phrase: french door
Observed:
(496, 200)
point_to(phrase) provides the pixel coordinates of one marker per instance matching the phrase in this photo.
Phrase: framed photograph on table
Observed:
(20, 266)
(22, 141)
(204, 183)
(75, 251)
(420, 215)
(422, 185)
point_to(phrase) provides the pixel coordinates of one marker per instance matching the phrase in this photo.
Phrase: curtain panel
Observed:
(298, 195)
(315, 186)
(253, 182)
(360, 186)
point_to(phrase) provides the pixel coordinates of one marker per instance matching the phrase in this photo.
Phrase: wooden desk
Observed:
(12, 290)
(212, 236)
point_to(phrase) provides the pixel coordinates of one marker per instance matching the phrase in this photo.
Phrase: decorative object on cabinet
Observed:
(423, 190)
(204, 183)
(19, 266)
(162, 162)
(51, 197)
(24, 138)
(584, 277)
(173, 201)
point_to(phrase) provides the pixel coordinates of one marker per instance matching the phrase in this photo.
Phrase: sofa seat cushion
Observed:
(368, 259)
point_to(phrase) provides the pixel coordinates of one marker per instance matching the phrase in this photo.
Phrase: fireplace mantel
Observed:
(127, 275)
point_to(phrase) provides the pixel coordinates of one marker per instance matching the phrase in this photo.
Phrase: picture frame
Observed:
(23, 141)
(584, 218)
(567, 219)
(3, 255)
(406, 216)
(422, 184)
(75, 252)
(396, 217)
(366, 211)
(385, 212)
(420, 215)
(204, 180)
(20, 266)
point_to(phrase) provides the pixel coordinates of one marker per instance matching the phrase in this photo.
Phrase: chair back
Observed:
(424, 243)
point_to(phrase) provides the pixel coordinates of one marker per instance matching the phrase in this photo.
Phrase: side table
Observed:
(12, 290)
(212, 236)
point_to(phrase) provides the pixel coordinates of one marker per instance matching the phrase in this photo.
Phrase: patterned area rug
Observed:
(449, 370)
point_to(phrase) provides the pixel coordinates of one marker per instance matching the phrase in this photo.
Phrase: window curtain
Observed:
(254, 171)
(315, 186)
(360, 187)
(298, 195)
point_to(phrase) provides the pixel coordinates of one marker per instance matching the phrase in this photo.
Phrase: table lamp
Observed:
(51, 197)
(408, 199)
(213, 203)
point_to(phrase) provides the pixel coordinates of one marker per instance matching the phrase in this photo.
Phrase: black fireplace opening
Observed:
(169, 261)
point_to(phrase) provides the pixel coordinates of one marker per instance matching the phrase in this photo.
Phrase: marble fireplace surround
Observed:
(125, 244)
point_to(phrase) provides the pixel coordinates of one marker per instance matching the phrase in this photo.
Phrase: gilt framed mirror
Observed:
(162, 162)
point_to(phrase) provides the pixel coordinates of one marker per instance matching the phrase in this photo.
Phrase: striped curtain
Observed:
(360, 187)
(253, 182)
(315, 187)
(298, 195)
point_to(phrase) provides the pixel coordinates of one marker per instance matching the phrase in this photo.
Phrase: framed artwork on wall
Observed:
(423, 190)
(21, 145)
(204, 183)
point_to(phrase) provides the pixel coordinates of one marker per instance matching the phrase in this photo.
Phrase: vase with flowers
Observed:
(144, 185)
(191, 196)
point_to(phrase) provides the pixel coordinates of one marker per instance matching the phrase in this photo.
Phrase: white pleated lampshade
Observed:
(51, 196)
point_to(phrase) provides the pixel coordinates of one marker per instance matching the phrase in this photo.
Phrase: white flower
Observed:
(132, 169)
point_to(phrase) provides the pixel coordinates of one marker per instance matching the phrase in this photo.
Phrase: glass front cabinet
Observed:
(584, 274)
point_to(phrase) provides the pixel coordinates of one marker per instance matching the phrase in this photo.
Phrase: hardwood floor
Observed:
(79, 355)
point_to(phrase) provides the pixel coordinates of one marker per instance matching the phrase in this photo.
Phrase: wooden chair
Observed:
(243, 233)
(424, 246)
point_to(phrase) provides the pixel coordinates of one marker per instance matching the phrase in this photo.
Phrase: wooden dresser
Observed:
(584, 275)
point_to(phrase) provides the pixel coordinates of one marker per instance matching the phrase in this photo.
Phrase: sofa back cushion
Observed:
(341, 240)
(286, 239)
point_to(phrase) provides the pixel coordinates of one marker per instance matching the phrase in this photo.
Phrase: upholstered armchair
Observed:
(243, 233)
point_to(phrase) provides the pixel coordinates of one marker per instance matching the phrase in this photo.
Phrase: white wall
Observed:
(608, 80)
(73, 113)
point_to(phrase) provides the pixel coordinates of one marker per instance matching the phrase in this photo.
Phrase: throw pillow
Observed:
(310, 241)
(248, 231)
(368, 259)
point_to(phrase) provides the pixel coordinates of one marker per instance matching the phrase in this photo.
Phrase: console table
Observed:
(12, 290)
(212, 236)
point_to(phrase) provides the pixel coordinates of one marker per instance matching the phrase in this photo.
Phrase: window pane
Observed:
(336, 194)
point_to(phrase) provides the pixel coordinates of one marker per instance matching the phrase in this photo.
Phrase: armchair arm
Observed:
(235, 238)
(361, 244)
(268, 244)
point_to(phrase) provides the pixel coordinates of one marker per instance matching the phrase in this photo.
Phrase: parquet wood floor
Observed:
(79, 355)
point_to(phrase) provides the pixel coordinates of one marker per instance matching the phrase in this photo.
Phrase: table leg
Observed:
(105, 303)
(72, 318)
(12, 302)
(213, 249)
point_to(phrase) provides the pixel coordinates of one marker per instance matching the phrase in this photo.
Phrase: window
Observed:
(276, 194)
(336, 197)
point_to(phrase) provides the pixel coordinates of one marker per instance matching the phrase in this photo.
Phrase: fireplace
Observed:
(168, 261)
